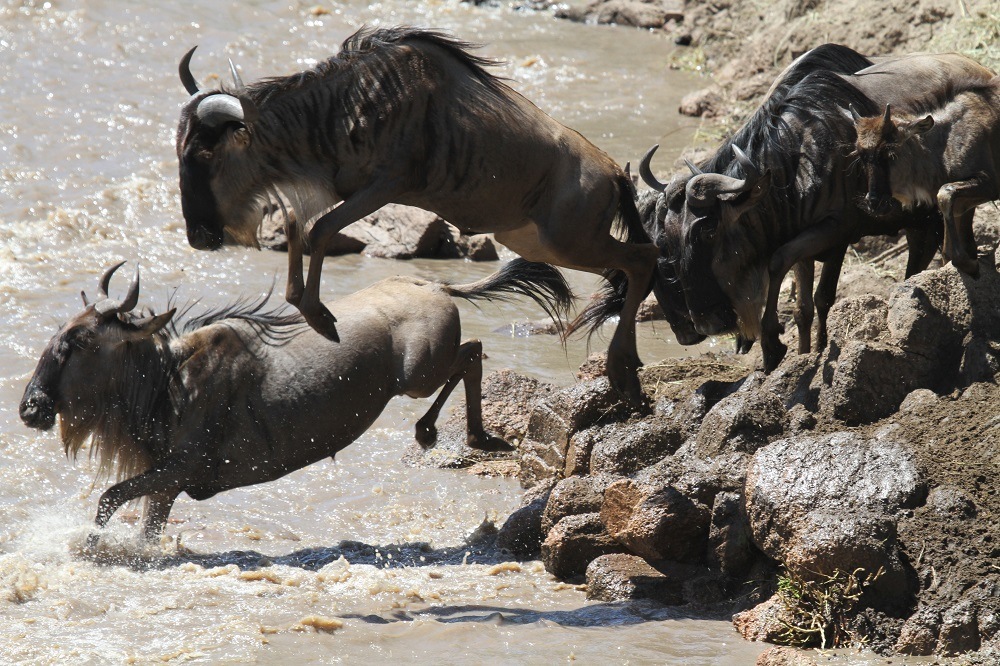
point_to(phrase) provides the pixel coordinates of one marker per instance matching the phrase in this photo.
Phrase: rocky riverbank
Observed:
(848, 498)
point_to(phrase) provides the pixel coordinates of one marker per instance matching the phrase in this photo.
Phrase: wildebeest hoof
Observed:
(773, 356)
(487, 442)
(324, 323)
(968, 266)
(91, 544)
(426, 435)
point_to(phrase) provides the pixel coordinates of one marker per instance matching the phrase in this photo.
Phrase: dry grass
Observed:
(816, 611)
(975, 31)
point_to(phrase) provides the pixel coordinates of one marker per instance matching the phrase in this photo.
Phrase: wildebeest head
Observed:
(86, 352)
(664, 230)
(879, 139)
(698, 206)
(218, 186)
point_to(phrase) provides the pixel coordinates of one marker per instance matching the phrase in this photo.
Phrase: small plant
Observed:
(816, 611)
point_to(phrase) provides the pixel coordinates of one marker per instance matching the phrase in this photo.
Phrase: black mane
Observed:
(828, 58)
(370, 52)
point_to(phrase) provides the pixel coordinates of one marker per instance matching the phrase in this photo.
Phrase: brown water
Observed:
(89, 98)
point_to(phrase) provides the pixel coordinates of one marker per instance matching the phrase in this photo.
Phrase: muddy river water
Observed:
(89, 100)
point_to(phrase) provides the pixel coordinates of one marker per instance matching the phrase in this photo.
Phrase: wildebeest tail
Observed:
(539, 281)
(611, 299)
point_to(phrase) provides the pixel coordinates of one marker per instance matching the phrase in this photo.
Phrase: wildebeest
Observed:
(710, 308)
(240, 396)
(410, 116)
(819, 207)
(945, 157)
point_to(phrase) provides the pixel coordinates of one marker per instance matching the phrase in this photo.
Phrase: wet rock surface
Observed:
(738, 480)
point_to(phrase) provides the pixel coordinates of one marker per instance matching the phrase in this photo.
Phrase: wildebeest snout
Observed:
(201, 238)
(37, 410)
(879, 205)
(714, 322)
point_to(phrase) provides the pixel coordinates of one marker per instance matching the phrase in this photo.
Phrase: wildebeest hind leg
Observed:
(468, 366)
(157, 512)
(957, 202)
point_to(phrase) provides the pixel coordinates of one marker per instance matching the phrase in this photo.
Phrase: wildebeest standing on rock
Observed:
(409, 116)
(946, 157)
(242, 396)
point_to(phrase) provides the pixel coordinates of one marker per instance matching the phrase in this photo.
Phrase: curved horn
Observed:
(185, 71)
(854, 113)
(887, 114)
(237, 81)
(695, 171)
(106, 306)
(215, 110)
(706, 188)
(132, 297)
(102, 284)
(647, 174)
(753, 173)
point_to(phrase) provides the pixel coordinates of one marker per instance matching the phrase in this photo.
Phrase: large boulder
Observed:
(819, 504)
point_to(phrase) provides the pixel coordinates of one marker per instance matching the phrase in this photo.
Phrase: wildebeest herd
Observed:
(842, 147)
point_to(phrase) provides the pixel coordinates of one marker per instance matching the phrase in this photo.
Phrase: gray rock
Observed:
(950, 502)
(920, 633)
(574, 543)
(626, 448)
(823, 503)
(729, 546)
(622, 577)
(959, 629)
(574, 495)
(741, 422)
(522, 534)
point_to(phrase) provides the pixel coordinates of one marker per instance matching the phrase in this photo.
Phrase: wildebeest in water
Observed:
(410, 116)
(240, 396)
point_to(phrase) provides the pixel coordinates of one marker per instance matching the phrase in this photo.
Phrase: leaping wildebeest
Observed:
(946, 157)
(410, 116)
(240, 396)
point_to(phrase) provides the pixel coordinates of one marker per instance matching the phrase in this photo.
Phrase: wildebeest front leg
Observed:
(957, 202)
(808, 244)
(923, 239)
(295, 284)
(351, 210)
(162, 482)
(803, 310)
(826, 293)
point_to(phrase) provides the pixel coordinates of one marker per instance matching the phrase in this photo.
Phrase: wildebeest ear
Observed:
(920, 126)
(147, 326)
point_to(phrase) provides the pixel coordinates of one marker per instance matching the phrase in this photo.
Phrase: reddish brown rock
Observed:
(658, 523)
